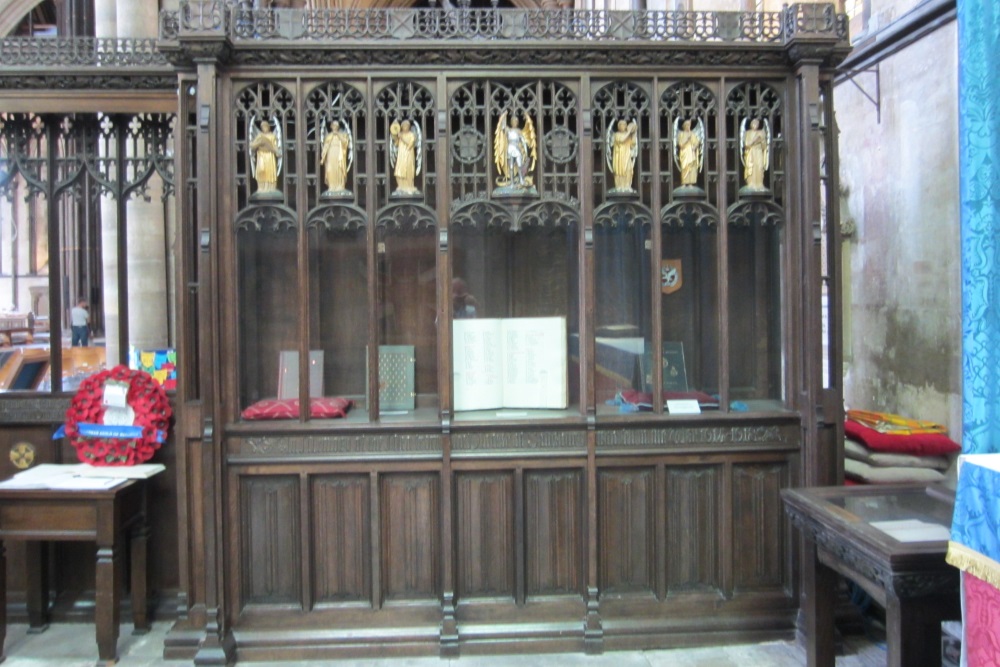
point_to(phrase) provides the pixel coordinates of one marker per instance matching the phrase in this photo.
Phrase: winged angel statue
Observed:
(689, 151)
(337, 157)
(515, 153)
(265, 156)
(756, 153)
(620, 150)
(405, 156)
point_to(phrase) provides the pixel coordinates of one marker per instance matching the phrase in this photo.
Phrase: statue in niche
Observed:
(265, 159)
(337, 157)
(405, 155)
(755, 144)
(514, 153)
(621, 150)
(689, 155)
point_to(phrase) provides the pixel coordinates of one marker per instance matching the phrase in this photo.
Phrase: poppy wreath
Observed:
(85, 416)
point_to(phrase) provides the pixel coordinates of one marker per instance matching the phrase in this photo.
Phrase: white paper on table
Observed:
(40, 476)
(913, 530)
(138, 471)
(78, 483)
(77, 476)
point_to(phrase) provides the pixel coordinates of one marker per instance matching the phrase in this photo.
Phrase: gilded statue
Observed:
(689, 155)
(515, 154)
(337, 157)
(405, 155)
(756, 151)
(621, 149)
(265, 158)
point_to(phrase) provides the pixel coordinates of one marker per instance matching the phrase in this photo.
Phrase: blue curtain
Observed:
(979, 169)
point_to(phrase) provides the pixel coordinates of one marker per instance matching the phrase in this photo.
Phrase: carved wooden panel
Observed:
(341, 527)
(270, 539)
(410, 550)
(553, 532)
(485, 539)
(759, 526)
(626, 532)
(694, 513)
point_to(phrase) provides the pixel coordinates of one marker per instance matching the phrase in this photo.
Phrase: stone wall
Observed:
(899, 178)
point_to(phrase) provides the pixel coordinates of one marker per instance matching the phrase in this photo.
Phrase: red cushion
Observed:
(329, 407)
(919, 444)
(288, 408)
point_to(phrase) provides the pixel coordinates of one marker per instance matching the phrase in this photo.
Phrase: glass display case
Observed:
(352, 243)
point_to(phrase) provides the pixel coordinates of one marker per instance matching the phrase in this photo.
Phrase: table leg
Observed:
(913, 630)
(108, 595)
(140, 611)
(820, 583)
(37, 584)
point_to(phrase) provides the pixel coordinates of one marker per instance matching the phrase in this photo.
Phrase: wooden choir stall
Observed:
(498, 329)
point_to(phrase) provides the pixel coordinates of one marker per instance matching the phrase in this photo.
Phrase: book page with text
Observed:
(476, 362)
(534, 365)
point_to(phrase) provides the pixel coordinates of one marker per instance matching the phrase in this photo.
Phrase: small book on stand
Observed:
(515, 362)
(396, 378)
(674, 369)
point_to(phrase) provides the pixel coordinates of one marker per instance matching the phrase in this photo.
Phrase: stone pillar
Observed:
(105, 18)
(979, 170)
(145, 220)
(147, 270)
(137, 19)
(105, 26)
(148, 298)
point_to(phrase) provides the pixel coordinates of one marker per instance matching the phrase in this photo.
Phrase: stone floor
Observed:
(72, 645)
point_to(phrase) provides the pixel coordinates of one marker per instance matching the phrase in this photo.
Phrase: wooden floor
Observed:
(72, 645)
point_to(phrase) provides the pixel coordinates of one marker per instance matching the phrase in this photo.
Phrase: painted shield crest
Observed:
(671, 277)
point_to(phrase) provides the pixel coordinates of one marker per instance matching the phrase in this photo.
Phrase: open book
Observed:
(510, 363)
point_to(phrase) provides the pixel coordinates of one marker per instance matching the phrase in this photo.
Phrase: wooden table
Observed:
(104, 516)
(908, 578)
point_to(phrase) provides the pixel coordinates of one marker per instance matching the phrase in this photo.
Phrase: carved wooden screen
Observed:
(689, 266)
(622, 193)
(266, 143)
(756, 215)
(67, 179)
(406, 243)
(515, 243)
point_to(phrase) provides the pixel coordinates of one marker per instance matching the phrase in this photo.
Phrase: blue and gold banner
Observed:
(979, 173)
(975, 527)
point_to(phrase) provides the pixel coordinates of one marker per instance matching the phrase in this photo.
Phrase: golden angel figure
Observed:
(337, 157)
(689, 155)
(621, 149)
(515, 153)
(405, 156)
(265, 156)
(756, 151)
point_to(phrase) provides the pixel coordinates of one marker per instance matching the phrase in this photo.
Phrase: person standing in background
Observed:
(79, 319)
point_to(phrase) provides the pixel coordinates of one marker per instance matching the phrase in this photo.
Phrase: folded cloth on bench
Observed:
(856, 450)
(920, 444)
